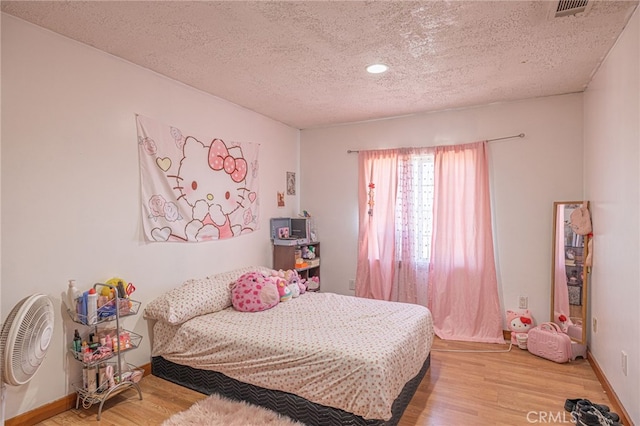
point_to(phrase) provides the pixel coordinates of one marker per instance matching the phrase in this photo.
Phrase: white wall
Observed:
(527, 176)
(612, 184)
(70, 194)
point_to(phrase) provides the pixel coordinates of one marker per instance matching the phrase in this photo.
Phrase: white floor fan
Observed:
(26, 335)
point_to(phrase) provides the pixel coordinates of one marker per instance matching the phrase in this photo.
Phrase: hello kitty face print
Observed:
(211, 181)
(196, 189)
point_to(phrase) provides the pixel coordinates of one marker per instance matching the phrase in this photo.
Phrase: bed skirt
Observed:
(293, 406)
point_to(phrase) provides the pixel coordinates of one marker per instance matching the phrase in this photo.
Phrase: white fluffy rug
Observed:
(218, 411)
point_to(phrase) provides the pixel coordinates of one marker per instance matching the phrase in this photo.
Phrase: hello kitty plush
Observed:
(562, 321)
(254, 292)
(313, 283)
(519, 323)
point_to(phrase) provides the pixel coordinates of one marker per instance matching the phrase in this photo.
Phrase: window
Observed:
(414, 205)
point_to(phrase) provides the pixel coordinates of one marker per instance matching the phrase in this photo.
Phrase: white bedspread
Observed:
(340, 351)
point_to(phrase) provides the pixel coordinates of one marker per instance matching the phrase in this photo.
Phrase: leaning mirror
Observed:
(569, 273)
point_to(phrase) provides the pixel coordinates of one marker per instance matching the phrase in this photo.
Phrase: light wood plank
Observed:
(505, 388)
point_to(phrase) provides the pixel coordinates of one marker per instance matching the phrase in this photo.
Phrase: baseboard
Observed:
(617, 405)
(44, 412)
(53, 408)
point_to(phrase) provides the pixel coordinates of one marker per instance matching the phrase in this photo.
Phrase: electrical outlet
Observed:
(594, 324)
(523, 302)
(352, 284)
(624, 362)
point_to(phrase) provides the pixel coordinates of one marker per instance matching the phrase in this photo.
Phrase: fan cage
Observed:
(26, 336)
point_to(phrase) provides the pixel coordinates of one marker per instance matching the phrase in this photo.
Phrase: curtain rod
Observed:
(521, 135)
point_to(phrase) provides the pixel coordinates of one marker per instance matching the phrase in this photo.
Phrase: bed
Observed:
(321, 358)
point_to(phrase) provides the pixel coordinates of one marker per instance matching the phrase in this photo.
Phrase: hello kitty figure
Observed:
(519, 322)
(211, 180)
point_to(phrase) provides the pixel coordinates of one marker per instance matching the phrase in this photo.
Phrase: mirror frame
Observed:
(585, 270)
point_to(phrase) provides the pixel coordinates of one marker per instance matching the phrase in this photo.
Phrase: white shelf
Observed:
(125, 376)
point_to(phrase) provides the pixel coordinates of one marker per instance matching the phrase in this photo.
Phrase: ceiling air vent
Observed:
(571, 7)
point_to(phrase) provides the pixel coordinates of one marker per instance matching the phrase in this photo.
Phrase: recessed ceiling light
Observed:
(377, 68)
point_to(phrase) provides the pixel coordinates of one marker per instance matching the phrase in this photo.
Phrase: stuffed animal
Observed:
(295, 289)
(292, 277)
(254, 292)
(293, 282)
(284, 291)
(278, 274)
(313, 283)
(519, 323)
(308, 252)
(562, 321)
(278, 278)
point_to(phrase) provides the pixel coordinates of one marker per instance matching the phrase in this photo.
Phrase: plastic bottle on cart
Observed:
(72, 295)
(77, 341)
(92, 306)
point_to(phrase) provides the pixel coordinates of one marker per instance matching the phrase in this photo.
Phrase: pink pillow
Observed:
(254, 292)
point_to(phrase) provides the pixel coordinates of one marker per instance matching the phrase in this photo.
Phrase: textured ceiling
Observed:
(303, 63)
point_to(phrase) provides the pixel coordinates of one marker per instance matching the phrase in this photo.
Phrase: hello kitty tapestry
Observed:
(195, 188)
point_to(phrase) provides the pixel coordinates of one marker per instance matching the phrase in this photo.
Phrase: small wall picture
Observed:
(280, 199)
(291, 183)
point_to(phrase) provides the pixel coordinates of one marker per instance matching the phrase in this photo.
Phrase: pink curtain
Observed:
(376, 234)
(393, 263)
(561, 290)
(463, 291)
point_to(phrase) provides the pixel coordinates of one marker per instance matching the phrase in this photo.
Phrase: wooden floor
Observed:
(460, 388)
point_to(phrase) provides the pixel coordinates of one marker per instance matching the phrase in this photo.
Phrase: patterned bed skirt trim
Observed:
(296, 407)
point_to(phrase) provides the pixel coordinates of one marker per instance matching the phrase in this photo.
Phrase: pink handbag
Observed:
(548, 341)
